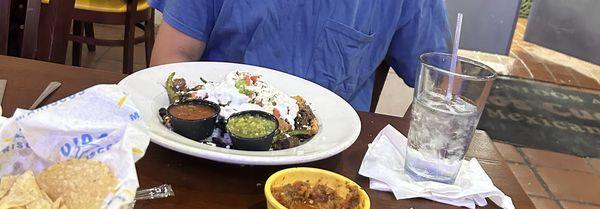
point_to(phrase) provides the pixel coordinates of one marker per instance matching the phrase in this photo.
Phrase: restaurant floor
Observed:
(552, 180)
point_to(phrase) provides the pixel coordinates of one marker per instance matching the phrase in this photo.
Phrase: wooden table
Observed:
(200, 183)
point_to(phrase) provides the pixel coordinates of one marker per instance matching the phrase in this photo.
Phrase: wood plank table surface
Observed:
(200, 183)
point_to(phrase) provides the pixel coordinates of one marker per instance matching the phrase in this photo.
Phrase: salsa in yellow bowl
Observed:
(311, 188)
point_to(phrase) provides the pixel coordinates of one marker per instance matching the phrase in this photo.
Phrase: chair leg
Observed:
(77, 31)
(129, 40)
(149, 38)
(89, 32)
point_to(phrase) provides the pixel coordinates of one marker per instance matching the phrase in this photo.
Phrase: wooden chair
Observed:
(53, 29)
(4, 26)
(130, 13)
(30, 29)
(52, 26)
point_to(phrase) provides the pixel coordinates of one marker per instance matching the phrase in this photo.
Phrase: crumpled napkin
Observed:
(384, 165)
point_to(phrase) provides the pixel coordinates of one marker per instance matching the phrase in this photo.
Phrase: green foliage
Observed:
(525, 8)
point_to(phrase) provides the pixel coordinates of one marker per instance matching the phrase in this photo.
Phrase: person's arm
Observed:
(425, 30)
(185, 29)
(173, 46)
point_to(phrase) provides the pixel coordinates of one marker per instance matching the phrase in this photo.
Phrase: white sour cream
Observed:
(264, 97)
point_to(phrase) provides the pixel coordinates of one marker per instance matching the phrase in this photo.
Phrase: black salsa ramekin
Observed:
(254, 144)
(195, 129)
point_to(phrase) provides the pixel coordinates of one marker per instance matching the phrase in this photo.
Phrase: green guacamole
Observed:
(250, 126)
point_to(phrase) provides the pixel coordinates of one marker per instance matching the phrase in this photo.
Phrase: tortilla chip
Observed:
(6, 183)
(46, 197)
(39, 203)
(24, 191)
(43, 202)
(83, 184)
(57, 203)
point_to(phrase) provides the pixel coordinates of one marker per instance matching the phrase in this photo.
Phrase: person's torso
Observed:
(335, 43)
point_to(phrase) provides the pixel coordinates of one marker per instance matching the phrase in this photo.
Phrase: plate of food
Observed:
(241, 114)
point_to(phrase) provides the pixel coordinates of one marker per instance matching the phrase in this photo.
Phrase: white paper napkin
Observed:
(99, 123)
(384, 165)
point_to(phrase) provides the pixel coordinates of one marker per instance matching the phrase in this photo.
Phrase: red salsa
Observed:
(191, 111)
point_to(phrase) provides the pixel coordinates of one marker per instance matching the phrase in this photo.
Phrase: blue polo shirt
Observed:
(337, 44)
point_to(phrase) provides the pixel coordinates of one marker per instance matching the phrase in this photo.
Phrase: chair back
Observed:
(380, 75)
(29, 40)
(44, 41)
(4, 26)
(570, 27)
(488, 26)
(55, 25)
(30, 28)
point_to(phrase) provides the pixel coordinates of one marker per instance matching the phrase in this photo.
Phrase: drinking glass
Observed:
(447, 106)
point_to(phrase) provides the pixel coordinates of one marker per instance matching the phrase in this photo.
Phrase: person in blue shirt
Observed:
(337, 44)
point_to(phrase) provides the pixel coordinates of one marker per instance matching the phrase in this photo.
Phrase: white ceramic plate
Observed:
(339, 122)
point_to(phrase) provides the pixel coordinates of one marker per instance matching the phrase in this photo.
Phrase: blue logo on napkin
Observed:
(17, 143)
(53, 104)
(86, 146)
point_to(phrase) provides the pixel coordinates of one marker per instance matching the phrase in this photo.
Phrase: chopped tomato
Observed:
(247, 80)
(276, 113)
(254, 79)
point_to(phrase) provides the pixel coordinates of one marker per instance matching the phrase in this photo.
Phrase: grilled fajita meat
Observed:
(306, 119)
(179, 84)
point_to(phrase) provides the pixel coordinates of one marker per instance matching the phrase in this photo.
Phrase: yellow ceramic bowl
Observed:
(331, 179)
